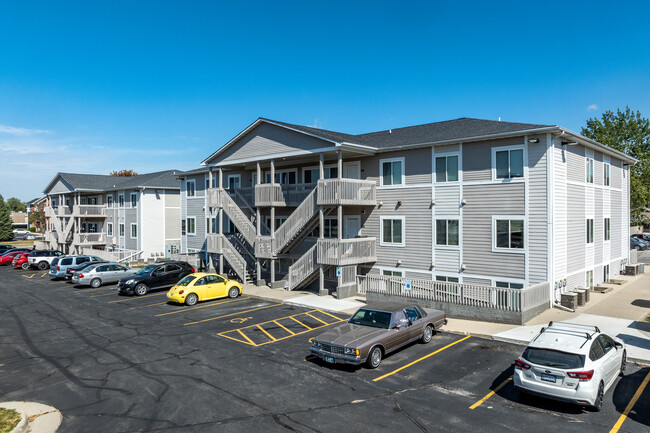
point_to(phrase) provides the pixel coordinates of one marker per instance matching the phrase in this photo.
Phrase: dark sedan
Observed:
(375, 331)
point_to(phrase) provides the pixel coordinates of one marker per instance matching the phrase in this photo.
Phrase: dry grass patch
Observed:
(9, 419)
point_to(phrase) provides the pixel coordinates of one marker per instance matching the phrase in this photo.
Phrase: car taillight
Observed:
(192, 270)
(180, 292)
(519, 363)
(58, 268)
(81, 275)
(584, 376)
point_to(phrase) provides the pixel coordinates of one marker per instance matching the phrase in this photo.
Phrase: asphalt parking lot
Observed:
(124, 364)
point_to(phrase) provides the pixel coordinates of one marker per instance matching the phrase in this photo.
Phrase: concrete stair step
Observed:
(602, 289)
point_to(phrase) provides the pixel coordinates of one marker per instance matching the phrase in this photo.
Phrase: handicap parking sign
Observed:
(338, 271)
(407, 284)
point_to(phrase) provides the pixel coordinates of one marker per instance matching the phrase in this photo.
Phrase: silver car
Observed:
(96, 275)
(59, 266)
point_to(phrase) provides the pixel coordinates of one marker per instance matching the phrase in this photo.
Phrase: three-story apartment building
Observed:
(137, 214)
(470, 201)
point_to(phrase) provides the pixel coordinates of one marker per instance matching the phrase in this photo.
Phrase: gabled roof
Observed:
(99, 182)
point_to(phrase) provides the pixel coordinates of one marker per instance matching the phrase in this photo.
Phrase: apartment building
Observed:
(137, 216)
(467, 201)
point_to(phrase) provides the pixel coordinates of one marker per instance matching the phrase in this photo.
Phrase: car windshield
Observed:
(373, 318)
(147, 270)
(553, 358)
(187, 280)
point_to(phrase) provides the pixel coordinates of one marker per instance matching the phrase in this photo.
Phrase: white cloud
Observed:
(592, 107)
(21, 132)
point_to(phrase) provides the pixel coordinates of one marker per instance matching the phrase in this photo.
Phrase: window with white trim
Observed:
(121, 230)
(508, 163)
(446, 279)
(391, 171)
(589, 280)
(109, 229)
(392, 231)
(446, 232)
(109, 200)
(607, 225)
(508, 233)
(190, 187)
(606, 174)
(391, 273)
(134, 231)
(590, 231)
(508, 285)
(191, 225)
(134, 199)
(120, 200)
(447, 168)
(589, 170)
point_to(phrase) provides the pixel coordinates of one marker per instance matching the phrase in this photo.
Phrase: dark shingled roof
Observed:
(159, 179)
(463, 128)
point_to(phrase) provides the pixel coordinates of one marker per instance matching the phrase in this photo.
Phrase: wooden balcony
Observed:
(275, 194)
(347, 192)
(347, 251)
(57, 211)
(89, 211)
(89, 239)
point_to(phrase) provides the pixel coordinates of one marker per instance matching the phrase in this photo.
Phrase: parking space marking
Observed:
(135, 298)
(201, 306)
(31, 276)
(490, 394)
(234, 333)
(420, 359)
(43, 274)
(148, 305)
(232, 314)
(631, 404)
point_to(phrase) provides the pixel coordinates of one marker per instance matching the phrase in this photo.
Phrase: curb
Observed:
(22, 425)
(35, 417)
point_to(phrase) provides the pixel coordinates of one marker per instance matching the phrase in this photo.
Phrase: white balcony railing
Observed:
(269, 194)
(347, 251)
(346, 192)
(89, 238)
(89, 210)
(302, 268)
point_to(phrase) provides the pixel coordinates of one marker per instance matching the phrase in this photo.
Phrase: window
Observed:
(446, 232)
(392, 231)
(413, 313)
(390, 273)
(606, 273)
(191, 225)
(446, 279)
(284, 177)
(606, 174)
(120, 200)
(508, 233)
(507, 285)
(608, 233)
(190, 187)
(331, 228)
(311, 175)
(109, 229)
(509, 163)
(134, 199)
(109, 200)
(447, 168)
(121, 230)
(134, 231)
(596, 351)
(589, 170)
(215, 224)
(590, 279)
(590, 231)
(391, 171)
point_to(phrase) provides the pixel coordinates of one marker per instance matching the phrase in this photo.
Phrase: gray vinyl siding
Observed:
(447, 260)
(477, 281)
(195, 209)
(447, 148)
(575, 161)
(267, 140)
(477, 158)
(60, 187)
(483, 201)
(447, 200)
(415, 208)
(537, 212)
(576, 228)
(417, 275)
(417, 168)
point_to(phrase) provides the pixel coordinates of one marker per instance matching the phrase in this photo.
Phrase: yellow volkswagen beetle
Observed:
(203, 287)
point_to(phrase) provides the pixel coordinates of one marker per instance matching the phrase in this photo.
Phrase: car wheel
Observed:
(25, 266)
(233, 292)
(374, 358)
(95, 283)
(191, 299)
(637, 248)
(598, 405)
(42, 266)
(426, 334)
(623, 363)
(141, 289)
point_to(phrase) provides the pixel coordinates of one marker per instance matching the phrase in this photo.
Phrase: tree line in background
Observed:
(6, 228)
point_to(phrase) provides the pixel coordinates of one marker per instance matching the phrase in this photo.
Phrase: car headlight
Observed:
(350, 351)
(315, 344)
(129, 282)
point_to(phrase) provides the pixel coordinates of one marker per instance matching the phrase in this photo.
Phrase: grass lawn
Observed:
(9, 419)
(21, 244)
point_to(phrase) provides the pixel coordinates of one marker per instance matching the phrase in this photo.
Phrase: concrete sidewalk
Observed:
(619, 313)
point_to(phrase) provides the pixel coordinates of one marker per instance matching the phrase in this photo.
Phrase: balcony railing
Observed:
(275, 194)
(60, 211)
(89, 210)
(346, 192)
(89, 238)
(347, 251)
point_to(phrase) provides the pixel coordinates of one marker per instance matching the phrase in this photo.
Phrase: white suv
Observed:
(570, 362)
(41, 259)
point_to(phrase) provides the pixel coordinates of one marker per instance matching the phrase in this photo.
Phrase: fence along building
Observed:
(468, 201)
(136, 216)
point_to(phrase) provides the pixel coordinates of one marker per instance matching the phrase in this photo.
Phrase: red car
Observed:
(21, 261)
(9, 257)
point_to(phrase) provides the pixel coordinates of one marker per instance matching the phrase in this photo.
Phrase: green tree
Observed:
(125, 173)
(628, 132)
(16, 205)
(37, 218)
(6, 229)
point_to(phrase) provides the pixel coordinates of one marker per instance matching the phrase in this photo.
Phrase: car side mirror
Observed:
(618, 345)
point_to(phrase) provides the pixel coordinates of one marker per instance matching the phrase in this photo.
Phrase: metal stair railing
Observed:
(302, 268)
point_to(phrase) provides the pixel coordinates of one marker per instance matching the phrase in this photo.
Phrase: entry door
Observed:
(352, 170)
(352, 224)
(234, 181)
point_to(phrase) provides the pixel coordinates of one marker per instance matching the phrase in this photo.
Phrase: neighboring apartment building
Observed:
(471, 201)
(136, 214)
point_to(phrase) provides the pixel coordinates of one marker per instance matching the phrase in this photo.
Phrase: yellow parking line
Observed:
(135, 298)
(244, 335)
(267, 334)
(331, 315)
(490, 394)
(299, 322)
(201, 306)
(631, 404)
(421, 359)
(148, 305)
(286, 329)
(232, 314)
(43, 274)
(316, 318)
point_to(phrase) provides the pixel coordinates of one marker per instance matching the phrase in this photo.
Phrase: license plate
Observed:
(329, 359)
(548, 378)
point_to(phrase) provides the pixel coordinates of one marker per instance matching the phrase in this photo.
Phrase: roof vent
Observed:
(390, 131)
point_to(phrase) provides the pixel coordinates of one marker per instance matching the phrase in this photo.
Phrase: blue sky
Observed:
(98, 86)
